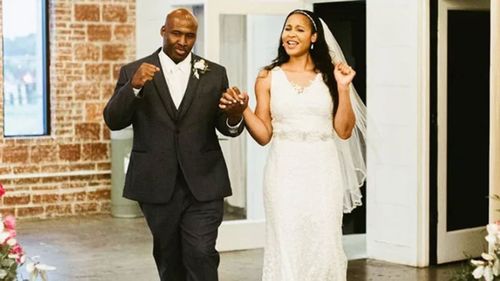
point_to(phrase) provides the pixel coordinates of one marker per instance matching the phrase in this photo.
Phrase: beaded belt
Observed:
(303, 136)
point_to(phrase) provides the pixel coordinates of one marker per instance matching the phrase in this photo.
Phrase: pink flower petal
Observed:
(2, 190)
(10, 222)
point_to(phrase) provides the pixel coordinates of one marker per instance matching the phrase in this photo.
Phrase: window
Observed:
(25, 67)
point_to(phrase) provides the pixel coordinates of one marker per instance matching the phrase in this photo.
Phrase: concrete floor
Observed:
(106, 249)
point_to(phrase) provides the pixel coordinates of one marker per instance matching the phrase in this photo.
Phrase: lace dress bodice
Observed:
(305, 115)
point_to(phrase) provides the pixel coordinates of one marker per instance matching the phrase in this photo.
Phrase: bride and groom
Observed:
(305, 103)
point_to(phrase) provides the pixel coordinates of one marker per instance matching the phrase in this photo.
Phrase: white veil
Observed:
(352, 152)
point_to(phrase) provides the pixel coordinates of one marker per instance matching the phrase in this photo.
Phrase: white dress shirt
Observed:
(176, 75)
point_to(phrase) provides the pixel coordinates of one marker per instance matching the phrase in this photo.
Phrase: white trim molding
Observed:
(495, 110)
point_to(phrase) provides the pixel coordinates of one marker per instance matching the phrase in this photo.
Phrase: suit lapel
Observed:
(190, 93)
(162, 87)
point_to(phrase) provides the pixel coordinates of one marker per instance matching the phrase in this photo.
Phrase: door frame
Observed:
(446, 241)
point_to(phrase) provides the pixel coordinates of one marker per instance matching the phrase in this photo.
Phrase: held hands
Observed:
(343, 74)
(233, 103)
(144, 73)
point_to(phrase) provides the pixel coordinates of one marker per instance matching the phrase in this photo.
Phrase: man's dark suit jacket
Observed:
(166, 138)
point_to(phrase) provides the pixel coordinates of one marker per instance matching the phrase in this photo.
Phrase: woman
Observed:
(315, 167)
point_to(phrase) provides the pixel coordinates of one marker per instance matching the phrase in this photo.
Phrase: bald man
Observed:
(177, 171)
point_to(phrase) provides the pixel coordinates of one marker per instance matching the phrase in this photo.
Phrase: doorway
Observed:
(461, 107)
(347, 21)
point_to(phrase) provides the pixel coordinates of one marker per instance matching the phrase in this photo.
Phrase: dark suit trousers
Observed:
(184, 233)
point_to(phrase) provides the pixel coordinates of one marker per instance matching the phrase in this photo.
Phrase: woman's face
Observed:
(298, 35)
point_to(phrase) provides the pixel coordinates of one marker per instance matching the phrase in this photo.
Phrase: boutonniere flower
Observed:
(199, 67)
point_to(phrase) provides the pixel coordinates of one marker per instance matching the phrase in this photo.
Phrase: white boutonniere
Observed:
(199, 67)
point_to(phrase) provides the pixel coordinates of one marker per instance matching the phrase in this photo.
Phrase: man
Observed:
(177, 172)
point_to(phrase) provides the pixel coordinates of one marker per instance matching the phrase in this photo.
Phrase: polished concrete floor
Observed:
(106, 249)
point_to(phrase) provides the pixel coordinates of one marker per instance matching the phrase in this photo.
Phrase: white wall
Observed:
(396, 226)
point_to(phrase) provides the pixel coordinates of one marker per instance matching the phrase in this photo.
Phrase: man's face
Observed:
(179, 36)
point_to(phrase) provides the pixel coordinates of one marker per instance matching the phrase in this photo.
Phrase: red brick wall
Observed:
(68, 172)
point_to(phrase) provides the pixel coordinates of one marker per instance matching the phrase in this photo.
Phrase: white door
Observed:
(463, 98)
(243, 36)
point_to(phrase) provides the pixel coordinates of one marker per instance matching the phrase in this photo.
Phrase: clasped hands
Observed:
(233, 102)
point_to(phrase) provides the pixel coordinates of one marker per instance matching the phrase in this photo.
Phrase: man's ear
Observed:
(162, 30)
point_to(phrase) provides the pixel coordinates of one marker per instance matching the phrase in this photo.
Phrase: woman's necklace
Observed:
(299, 89)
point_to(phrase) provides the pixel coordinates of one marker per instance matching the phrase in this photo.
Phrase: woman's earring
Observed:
(312, 46)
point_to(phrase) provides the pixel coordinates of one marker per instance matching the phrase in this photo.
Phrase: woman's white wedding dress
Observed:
(303, 188)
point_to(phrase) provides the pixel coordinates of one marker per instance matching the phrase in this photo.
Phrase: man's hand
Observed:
(233, 103)
(144, 73)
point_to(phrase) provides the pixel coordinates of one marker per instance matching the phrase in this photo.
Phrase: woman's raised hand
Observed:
(343, 74)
